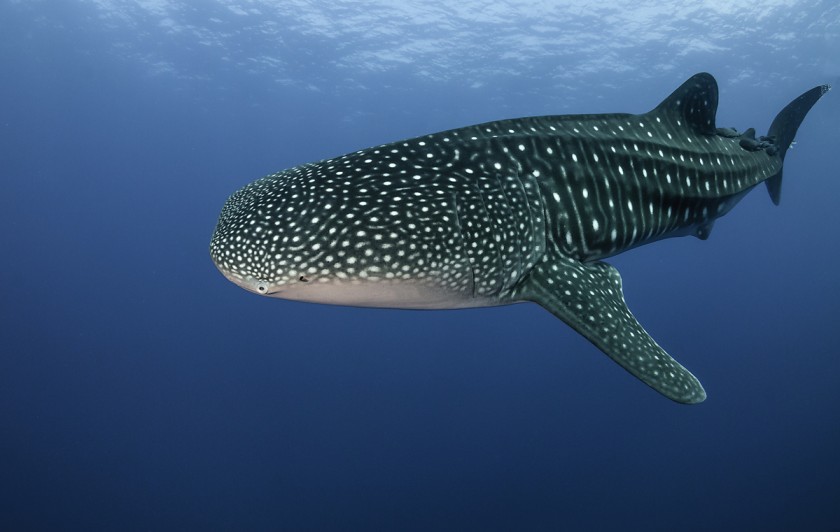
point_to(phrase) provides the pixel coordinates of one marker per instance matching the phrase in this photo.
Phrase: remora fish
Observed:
(507, 211)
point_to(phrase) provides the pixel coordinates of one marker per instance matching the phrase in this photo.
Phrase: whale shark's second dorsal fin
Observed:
(694, 104)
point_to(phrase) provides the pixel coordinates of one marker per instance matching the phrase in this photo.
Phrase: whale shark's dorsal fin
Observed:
(694, 104)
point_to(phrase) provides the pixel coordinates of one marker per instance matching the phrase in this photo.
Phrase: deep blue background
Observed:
(139, 390)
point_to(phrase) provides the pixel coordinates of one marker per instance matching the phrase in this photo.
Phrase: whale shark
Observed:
(517, 210)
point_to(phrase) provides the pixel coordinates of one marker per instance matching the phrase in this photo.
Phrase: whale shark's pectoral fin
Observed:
(589, 298)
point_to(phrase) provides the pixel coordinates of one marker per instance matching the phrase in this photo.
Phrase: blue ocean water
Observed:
(139, 390)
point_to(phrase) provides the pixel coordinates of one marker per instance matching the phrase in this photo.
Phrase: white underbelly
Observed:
(385, 294)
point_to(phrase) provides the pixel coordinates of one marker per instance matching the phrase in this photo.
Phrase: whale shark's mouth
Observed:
(359, 291)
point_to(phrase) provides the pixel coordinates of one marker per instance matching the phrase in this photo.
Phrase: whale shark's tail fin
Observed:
(783, 129)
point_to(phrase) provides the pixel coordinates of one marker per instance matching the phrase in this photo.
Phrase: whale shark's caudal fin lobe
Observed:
(694, 103)
(783, 130)
(774, 188)
(784, 126)
(589, 298)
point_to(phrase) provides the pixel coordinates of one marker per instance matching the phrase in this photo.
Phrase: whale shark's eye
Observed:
(262, 287)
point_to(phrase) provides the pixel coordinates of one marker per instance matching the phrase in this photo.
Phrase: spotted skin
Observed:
(507, 211)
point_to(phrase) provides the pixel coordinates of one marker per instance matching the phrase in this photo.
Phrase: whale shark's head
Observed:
(313, 233)
(258, 243)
